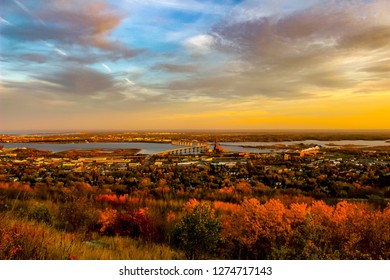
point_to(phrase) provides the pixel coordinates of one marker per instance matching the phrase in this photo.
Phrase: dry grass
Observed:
(24, 240)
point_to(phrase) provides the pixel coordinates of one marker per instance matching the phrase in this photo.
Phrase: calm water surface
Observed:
(250, 146)
(146, 148)
(152, 148)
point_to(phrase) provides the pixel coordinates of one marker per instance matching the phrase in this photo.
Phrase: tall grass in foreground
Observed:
(24, 240)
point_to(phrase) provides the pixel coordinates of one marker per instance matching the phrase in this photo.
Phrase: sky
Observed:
(174, 64)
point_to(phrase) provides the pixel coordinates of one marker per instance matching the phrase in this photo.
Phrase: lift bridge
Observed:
(193, 147)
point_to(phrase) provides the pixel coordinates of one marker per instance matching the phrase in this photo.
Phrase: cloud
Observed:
(188, 5)
(257, 56)
(382, 67)
(53, 57)
(77, 81)
(4, 21)
(105, 66)
(369, 38)
(199, 44)
(315, 51)
(175, 68)
(88, 25)
(33, 57)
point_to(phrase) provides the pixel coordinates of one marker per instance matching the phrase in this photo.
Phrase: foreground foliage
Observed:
(82, 222)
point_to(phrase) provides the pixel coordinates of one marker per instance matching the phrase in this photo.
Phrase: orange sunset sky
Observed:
(171, 64)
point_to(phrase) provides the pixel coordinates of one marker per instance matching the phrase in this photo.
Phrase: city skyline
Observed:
(170, 64)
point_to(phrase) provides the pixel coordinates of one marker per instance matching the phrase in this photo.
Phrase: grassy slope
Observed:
(20, 239)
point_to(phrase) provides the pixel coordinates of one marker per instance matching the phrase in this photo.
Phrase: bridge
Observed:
(194, 147)
(193, 143)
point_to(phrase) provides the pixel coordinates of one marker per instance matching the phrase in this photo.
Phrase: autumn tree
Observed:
(198, 232)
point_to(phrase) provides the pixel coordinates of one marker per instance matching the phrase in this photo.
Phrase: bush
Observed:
(40, 213)
(126, 223)
(78, 215)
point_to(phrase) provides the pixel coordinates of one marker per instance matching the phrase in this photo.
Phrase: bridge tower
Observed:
(217, 147)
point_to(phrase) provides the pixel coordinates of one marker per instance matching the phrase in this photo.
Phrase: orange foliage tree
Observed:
(319, 231)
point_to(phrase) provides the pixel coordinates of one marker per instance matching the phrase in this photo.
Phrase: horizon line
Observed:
(187, 130)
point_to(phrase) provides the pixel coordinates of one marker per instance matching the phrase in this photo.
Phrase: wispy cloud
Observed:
(77, 81)
(28, 11)
(105, 66)
(4, 21)
(175, 68)
(207, 7)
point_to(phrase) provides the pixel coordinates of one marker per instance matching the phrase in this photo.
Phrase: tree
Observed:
(197, 233)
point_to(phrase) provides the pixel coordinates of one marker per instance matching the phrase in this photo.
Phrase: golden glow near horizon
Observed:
(240, 65)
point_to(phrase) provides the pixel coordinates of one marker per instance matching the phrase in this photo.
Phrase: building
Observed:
(306, 152)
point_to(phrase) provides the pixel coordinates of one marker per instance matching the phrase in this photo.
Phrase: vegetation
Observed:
(22, 239)
(260, 207)
(84, 224)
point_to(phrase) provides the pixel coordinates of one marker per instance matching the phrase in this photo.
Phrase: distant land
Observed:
(87, 131)
(198, 135)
